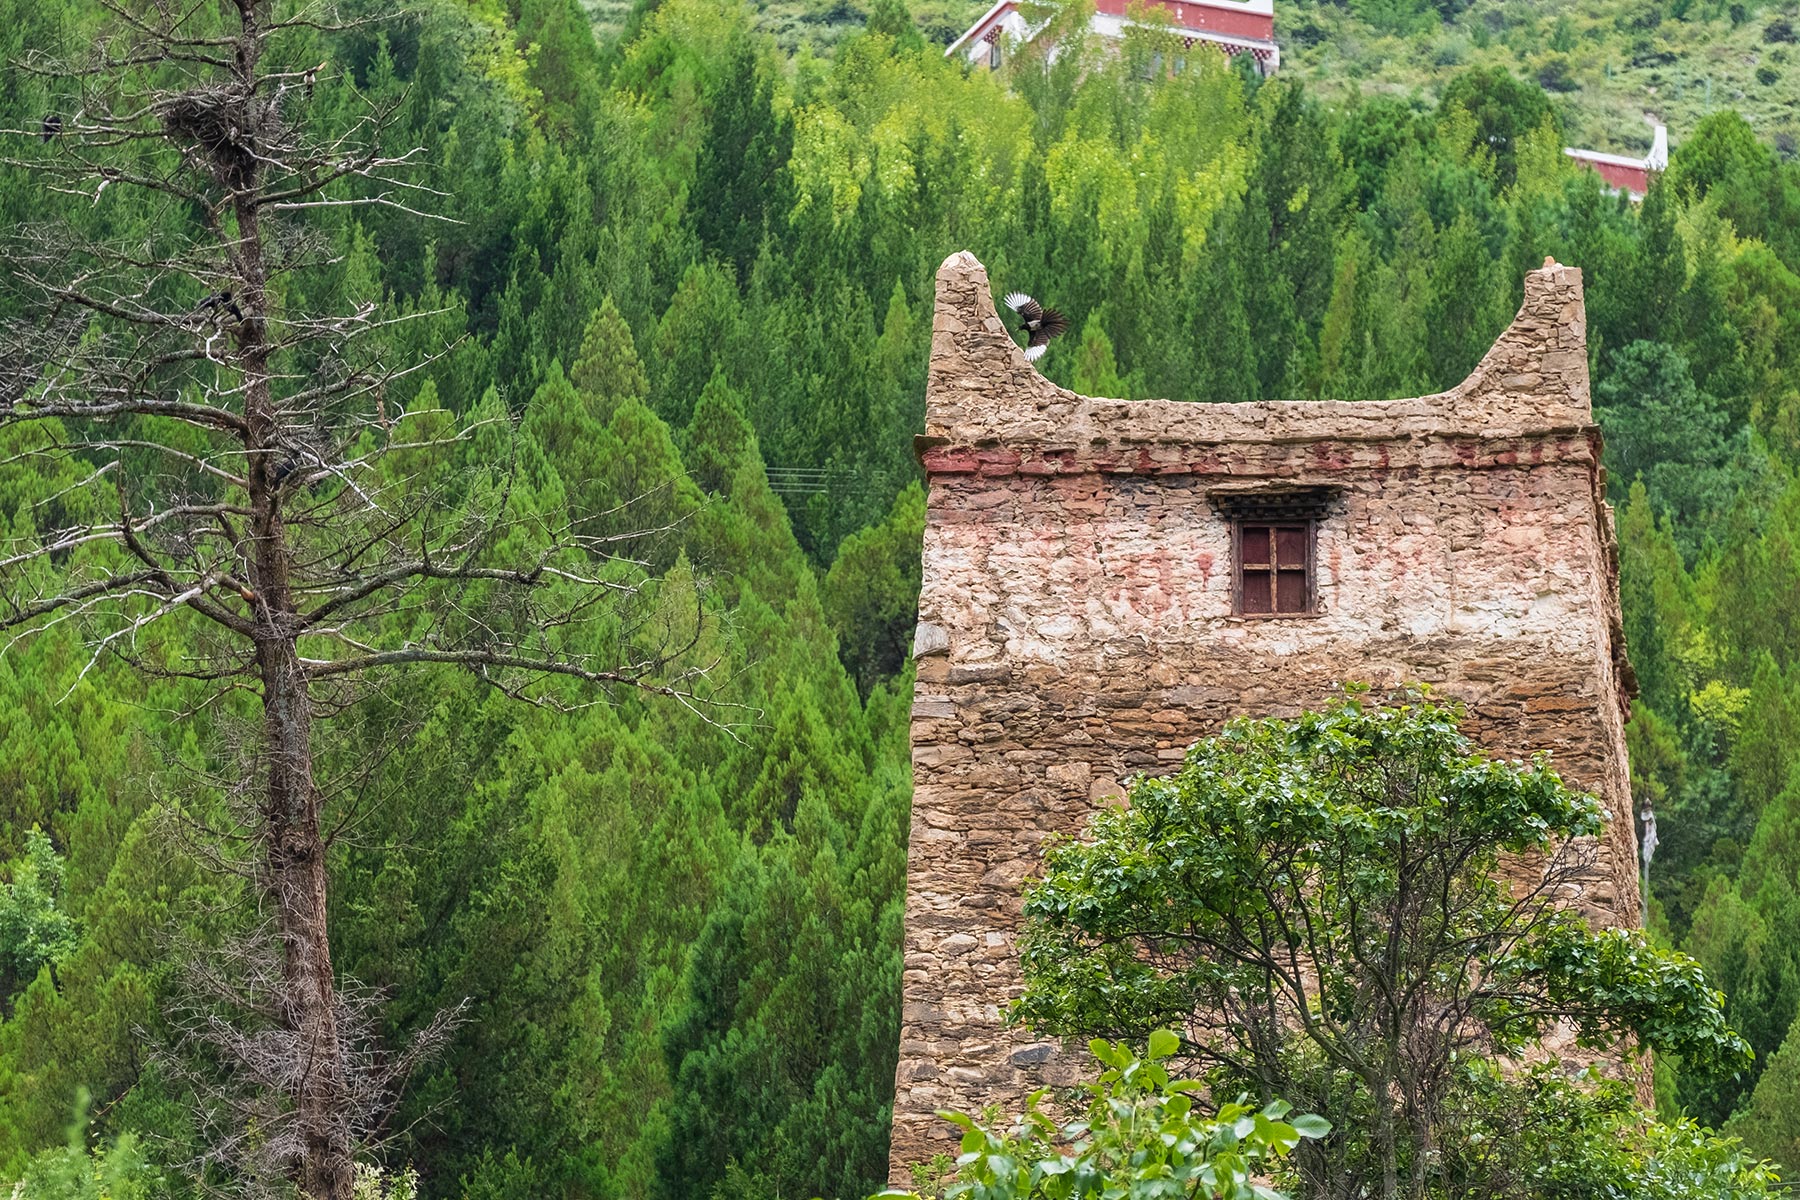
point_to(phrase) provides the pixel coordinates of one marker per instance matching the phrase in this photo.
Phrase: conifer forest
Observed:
(557, 369)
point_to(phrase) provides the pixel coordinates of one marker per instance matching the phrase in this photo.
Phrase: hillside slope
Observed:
(1610, 64)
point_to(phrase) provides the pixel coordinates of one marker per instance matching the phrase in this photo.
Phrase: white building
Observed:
(1624, 174)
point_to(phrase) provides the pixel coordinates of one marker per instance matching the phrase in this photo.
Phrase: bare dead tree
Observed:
(248, 513)
(233, 1053)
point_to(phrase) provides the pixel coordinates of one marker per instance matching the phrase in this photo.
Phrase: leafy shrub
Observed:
(34, 930)
(1138, 1137)
(119, 1171)
(1557, 74)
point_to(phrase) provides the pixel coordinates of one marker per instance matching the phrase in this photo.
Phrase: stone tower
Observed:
(1108, 581)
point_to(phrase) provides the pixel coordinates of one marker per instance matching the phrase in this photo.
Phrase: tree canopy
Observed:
(1322, 909)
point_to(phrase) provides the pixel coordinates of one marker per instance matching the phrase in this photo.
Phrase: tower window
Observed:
(1273, 548)
(1274, 568)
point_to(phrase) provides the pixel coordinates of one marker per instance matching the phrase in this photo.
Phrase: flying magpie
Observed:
(1041, 324)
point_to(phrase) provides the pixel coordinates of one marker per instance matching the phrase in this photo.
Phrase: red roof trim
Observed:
(1200, 15)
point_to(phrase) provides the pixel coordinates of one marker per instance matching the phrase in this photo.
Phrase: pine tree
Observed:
(1657, 596)
(1096, 371)
(1747, 933)
(1770, 1123)
(607, 367)
(1662, 429)
(871, 593)
(701, 332)
(1224, 353)
(719, 441)
(1766, 747)
(741, 181)
(564, 61)
(788, 1018)
(1464, 290)
(36, 930)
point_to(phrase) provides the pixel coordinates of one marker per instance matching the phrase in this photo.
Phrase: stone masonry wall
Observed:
(1076, 624)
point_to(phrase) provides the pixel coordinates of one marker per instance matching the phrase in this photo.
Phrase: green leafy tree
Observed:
(1721, 148)
(893, 18)
(1318, 904)
(1505, 109)
(119, 1171)
(1540, 1133)
(35, 930)
(1371, 137)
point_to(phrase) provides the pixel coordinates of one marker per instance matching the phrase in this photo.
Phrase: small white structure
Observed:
(1624, 174)
(1229, 26)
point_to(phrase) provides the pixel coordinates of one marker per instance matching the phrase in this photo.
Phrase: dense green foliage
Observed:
(1135, 1134)
(120, 1171)
(687, 266)
(1319, 905)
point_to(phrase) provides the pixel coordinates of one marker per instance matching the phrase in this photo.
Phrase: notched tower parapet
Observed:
(1107, 581)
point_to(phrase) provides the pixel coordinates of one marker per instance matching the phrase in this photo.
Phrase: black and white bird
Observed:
(51, 127)
(1041, 324)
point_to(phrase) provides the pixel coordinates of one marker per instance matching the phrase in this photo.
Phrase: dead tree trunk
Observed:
(295, 883)
(294, 876)
(293, 879)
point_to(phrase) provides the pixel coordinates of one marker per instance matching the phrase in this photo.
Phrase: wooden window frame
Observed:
(1309, 528)
(1303, 508)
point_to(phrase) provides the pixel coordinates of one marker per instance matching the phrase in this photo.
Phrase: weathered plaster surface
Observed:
(1076, 628)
